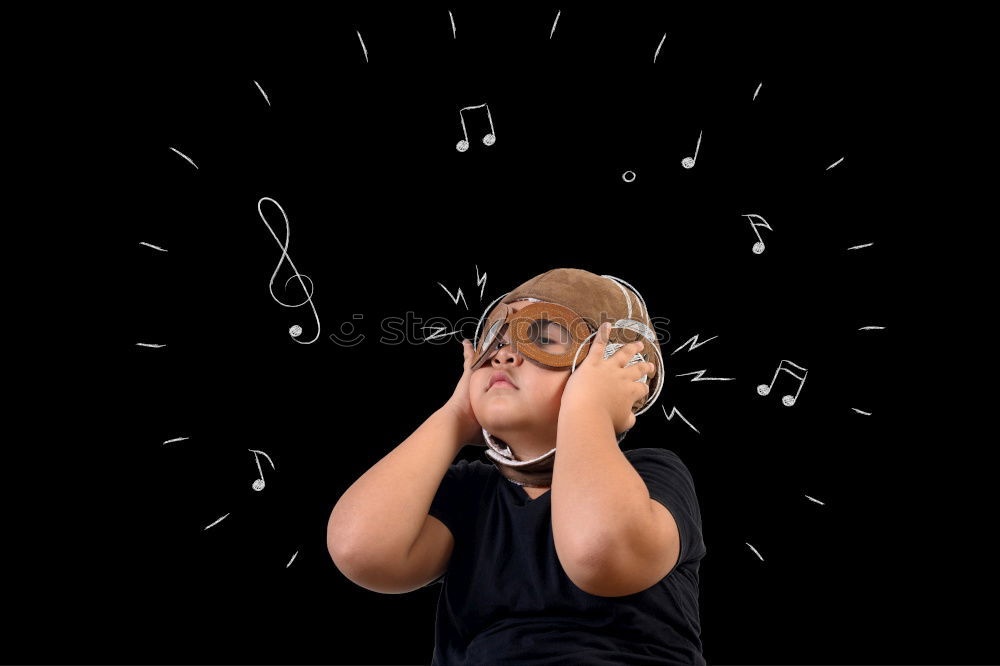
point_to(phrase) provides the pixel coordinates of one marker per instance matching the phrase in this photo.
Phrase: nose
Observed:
(506, 352)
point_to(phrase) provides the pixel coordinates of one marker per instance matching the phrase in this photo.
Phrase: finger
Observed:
(600, 341)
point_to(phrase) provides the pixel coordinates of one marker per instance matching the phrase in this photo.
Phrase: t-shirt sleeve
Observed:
(670, 483)
(457, 498)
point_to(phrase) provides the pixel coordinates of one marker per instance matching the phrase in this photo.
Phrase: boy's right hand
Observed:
(460, 404)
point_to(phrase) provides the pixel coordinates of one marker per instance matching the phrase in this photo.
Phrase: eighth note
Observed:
(258, 484)
(758, 247)
(688, 162)
(788, 400)
(489, 139)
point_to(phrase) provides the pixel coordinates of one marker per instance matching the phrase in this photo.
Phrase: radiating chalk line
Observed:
(699, 378)
(755, 550)
(481, 281)
(553, 31)
(861, 412)
(871, 328)
(662, 39)
(217, 522)
(363, 46)
(184, 156)
(815, 500)
(262, 93)
(858, 247)
(152, 246)
(454, 299)
(175, 439)
(694, 343)
(673, 412)
(296, 553)
(438, 332)
(835, 164)
(452, 25)
(148, 344)
(758, 90)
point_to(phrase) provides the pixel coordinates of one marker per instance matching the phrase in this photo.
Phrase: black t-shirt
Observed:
(506, 599)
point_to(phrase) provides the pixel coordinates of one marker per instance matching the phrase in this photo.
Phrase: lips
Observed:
(502, 379)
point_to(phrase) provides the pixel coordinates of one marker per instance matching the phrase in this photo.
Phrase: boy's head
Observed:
(539, 349)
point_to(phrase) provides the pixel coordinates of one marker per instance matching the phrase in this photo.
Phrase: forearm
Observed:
(598, 500)
(382, 513)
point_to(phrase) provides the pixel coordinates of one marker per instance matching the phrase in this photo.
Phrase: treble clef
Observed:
(294, 331)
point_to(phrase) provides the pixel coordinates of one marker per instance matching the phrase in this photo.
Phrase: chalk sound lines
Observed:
(688, 162)
(787, 400)
(757, 91)
(454, 299)
(148, 344)
(625, 176)
(489, 138)
(861, 412)
(835, 164)
(659, 46)
(216, 522)
(363, 47)
(812, 499)
(755, 551)
(675, 412)
(175, 439)
(294, 331)
(152, 246)
(553, 31)
(693, 340)
(481, 282)
(699, 378)
(296, 553)
(871, 328)
(184, 156)
(858, 247)
(259, 484)
(454, 36)
(262, 93)
(758, 247)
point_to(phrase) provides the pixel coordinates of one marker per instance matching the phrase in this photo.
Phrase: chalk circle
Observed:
(626, 178)
(258, 485)
(758, 247)
(295, 331)
(687, 163)
(463, 146)
(489, 139)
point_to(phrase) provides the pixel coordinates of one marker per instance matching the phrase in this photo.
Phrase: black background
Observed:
(361, 156)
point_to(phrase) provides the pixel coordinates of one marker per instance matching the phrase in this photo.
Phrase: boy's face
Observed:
(528, 410)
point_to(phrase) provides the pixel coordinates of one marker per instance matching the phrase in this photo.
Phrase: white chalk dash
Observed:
(481, 281)
(699, 378)
(861, 412)
(674, 412)
(835, 164)
(152, 246)
(296, 553)
(553, 31)
(217, 522)
(871, 328)
(454, 299)
(148, 344)
(659, 46)
(452, 24)
(439, 332)
(363, 47)
(757, 91)
(175, 439)
(262, 93)
(694, 343)
(858, 247)
(812, 499)
(755, 551)
(184, 156)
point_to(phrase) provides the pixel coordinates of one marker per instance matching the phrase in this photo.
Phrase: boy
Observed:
(589, 560)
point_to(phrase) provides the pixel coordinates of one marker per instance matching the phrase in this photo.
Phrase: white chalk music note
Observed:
(688, 162)
(788, 400)
(758, 247)
(258, 484)
(489, 139)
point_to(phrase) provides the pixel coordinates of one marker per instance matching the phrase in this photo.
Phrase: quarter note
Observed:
(258, 484)
(758, 247)
(489, 139)
(688, 162)
(788, 400)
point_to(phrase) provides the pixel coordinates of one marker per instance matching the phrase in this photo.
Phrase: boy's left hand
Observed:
(606, 383)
